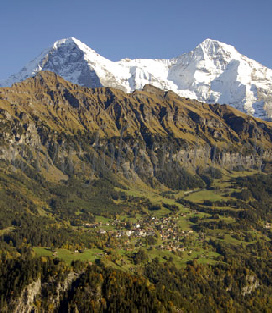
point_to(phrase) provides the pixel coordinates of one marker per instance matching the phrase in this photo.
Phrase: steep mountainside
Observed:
(152, 124)
(213, 72)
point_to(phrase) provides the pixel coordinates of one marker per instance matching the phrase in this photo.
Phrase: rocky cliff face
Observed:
(213, 72)
(25, 303)
(33, 295)
(141, 133)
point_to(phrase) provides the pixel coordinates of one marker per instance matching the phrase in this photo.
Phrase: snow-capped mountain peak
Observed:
(217, 72)
(212, 72)
(69, 40)
(211, 46)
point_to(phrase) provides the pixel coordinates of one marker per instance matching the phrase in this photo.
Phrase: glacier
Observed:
(214, 72)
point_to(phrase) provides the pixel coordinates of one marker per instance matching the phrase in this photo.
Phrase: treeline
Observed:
(178, 178)
(38, 231)
(257, 191)
(251, 206)
(41, 213)
(102, 289)
(239, 285)
(202, 288)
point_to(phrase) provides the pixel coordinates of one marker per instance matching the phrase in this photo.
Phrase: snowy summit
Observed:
(213, 72)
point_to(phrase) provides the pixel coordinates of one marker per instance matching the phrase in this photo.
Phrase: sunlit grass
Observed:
(69, 256)
(202, 195)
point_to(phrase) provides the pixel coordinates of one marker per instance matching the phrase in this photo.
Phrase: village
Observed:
(162, 233)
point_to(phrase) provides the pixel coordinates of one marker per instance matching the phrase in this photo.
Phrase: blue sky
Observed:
(118, 29)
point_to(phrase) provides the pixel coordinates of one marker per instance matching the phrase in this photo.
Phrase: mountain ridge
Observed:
(63, 105)
(213, 72)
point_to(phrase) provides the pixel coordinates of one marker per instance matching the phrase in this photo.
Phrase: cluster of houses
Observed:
(166, 228)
